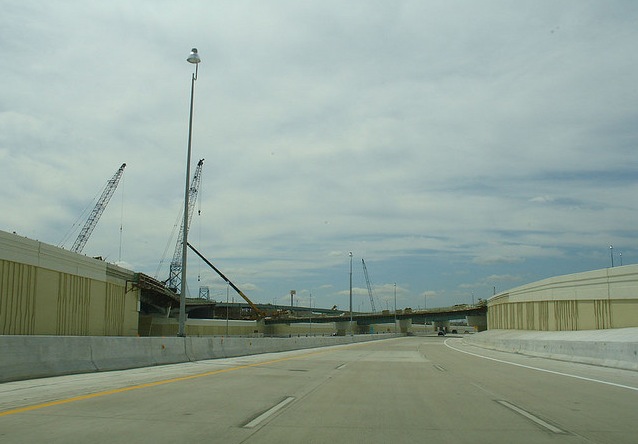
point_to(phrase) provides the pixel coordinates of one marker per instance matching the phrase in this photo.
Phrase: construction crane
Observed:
(259, 313)
(91, 222)
(365, 272)
(174, 281)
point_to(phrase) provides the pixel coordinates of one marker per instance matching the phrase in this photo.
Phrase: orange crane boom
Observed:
(258, 312)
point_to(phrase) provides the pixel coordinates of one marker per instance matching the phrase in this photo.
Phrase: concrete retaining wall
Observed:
(598, 299)
(46, 290)
(29, 357)
(617, 348)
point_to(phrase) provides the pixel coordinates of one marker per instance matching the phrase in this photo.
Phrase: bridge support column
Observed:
(343, 328)
(478, 322)
(441, 325)
(405, 326)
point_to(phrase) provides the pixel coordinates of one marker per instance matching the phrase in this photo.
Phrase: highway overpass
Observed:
(474, 315)
(387, 317)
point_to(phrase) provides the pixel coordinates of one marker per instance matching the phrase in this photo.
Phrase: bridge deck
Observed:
(417, 316)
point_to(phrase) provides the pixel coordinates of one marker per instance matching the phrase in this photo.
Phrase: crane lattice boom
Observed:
(365, 272)
(91, 222)
(174, 281)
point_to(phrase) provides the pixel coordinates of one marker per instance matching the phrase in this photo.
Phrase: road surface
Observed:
(403, 390)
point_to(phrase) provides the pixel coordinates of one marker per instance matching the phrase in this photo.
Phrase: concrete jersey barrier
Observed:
(30, 357)
(617, 348)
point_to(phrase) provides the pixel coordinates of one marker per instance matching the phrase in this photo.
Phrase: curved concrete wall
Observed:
(592, 300)
(617, 348)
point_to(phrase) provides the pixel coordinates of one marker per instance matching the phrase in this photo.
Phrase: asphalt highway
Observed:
(404, 390)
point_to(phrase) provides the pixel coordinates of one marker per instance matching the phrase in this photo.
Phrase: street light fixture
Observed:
(194, 59)
(611, 253)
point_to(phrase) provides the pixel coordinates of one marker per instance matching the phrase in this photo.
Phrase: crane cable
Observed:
(76, 225)
(171, 241)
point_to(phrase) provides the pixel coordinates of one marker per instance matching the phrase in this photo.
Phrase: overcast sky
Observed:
(457, 146)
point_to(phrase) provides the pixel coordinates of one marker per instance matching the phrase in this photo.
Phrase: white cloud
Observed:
(423, 136)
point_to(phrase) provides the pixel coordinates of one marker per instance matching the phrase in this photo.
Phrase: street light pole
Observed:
(227, 285)
(351, 329)
(311, 313)
(611, 253)
(395, 307)
(192, 58)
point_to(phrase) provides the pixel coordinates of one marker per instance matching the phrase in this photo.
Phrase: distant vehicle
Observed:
(441, 333)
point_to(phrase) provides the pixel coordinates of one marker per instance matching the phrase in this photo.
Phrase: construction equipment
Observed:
(365, 272)
(174, 281)
(91, 222)
(258, 312)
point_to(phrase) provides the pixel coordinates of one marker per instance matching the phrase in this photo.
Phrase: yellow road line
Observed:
(152, 384)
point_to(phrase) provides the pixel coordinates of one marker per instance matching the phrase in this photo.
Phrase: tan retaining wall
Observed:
(593, 300)
(46, 290)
